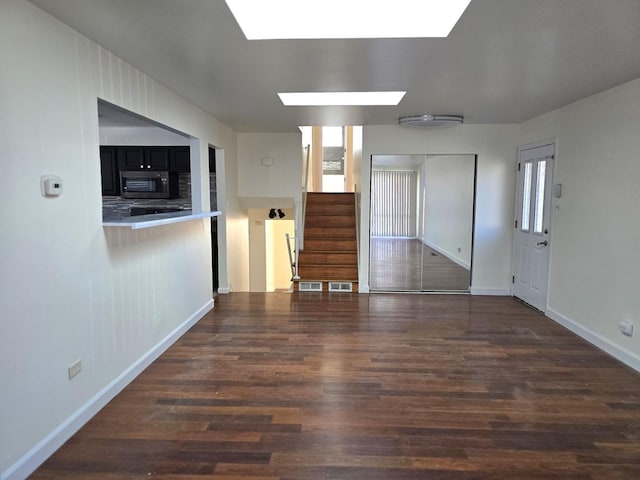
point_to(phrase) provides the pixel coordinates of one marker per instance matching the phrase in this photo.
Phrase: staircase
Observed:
(330, 253)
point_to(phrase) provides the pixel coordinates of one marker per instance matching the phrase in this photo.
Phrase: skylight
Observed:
(298, 19)
(341, 98)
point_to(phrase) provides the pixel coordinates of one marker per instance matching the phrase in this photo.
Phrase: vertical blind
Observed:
(393, 203)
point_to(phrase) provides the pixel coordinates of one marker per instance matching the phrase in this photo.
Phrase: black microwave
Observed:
(148, 184)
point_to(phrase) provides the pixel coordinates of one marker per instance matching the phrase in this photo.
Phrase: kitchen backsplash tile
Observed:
(118, 207)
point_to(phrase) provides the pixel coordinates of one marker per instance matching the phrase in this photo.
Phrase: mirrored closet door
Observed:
(421, 231)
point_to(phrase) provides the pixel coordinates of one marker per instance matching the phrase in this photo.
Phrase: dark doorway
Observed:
(214, 220)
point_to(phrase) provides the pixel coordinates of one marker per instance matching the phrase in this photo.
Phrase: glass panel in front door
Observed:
(526, 197)
(538, 217)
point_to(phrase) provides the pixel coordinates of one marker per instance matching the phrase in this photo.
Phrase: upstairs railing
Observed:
(305, 189)
(300, 213)
(292, 262)
(357, 207)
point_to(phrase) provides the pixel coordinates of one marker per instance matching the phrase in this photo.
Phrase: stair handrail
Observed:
(357, 207)
(305, 189)
(292, 264)
(300, 214)
(296, 238)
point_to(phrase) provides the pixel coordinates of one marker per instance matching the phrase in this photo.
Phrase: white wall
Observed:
(447, 199)
(496, 147)
(257, 250)
(278, 266)
(595, 234)
(261, 188)
(265, 261)
(282, 178)
(234, 230)
(140, 136)
(69, 288)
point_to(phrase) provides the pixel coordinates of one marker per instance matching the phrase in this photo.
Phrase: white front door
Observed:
(532, 225)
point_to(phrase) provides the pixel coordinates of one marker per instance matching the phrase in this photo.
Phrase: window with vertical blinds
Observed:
(393, 203)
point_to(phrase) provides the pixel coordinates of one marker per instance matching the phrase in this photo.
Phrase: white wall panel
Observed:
(282, 179)
(69, 288)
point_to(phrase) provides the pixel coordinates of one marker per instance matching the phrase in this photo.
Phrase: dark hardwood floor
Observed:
(404, 265)
(367, 387)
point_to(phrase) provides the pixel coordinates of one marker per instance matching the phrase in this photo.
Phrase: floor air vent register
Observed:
(340, 287)
(332, 286)
(310, 286)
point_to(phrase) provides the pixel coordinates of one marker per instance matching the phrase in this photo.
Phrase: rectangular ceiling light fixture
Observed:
(298, 19)
(341, 98)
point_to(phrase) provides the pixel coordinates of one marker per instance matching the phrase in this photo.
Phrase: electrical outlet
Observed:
(459, 249)
(74, 369)
(626, 327)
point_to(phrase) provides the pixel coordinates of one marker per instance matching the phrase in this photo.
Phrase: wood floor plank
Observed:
(345, 386)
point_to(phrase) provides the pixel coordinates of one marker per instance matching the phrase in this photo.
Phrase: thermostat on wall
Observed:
(50, 185)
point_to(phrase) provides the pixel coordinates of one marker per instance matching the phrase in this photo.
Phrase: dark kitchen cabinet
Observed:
(143, 158)
(156, 158)
(179, 159)
(109, 171)
(131, 158)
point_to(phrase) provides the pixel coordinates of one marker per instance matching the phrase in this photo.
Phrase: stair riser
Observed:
(346, 274)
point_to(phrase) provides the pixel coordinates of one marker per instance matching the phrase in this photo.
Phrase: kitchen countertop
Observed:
(157, 219)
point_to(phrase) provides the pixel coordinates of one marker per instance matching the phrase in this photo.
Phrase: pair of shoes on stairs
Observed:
(272, 213)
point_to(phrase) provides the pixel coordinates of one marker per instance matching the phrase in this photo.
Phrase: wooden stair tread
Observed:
(320, 233)
(330, 221)
(330, 197)
(330, 209)
(328, 258)
(318, 267)
(342, 245)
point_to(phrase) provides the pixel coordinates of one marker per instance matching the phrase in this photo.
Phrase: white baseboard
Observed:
(616, 351)
(48, 445)
(449, 255)
(495, 292)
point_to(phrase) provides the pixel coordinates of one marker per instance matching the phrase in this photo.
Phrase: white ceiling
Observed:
(506, 61)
